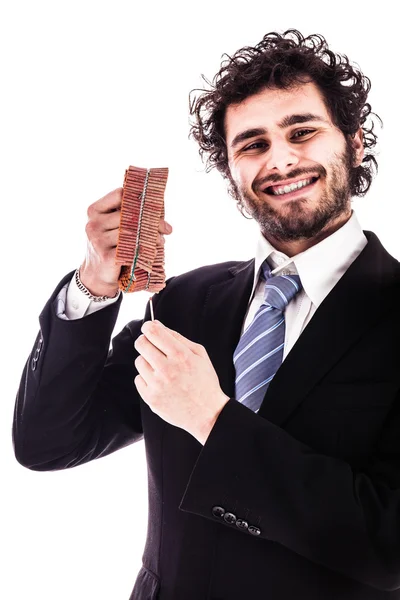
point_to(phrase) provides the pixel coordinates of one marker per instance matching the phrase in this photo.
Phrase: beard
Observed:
(296, 219)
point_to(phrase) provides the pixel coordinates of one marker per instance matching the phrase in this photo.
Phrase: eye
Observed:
(304, 131)
(254, 146)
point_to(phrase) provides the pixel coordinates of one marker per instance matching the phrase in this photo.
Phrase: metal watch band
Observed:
(87, 293)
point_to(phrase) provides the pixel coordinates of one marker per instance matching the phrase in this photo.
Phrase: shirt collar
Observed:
(319, 267)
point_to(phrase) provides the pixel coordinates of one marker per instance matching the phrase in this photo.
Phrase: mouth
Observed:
(294, 190)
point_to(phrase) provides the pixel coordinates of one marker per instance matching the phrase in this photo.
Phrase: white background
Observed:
(88, 89)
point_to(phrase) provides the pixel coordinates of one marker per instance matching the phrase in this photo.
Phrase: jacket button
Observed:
(33, 364)
(218, 511)
(242, 524)
(254, 530)
(230, 518)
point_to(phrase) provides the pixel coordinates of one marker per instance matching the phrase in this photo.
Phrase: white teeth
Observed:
(292, 187)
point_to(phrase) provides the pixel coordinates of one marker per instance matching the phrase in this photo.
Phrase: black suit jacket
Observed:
(299, 501)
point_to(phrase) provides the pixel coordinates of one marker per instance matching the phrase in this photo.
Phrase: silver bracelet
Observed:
(87, 293)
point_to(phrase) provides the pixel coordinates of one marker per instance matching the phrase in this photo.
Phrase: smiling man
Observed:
(268, 390)
(291, 165)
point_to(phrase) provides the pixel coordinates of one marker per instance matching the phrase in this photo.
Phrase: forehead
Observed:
(268, 107)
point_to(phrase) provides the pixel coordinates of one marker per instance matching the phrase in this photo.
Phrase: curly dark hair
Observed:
(281, 61)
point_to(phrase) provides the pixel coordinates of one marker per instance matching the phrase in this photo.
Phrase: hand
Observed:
(177, 380)
(98, 272)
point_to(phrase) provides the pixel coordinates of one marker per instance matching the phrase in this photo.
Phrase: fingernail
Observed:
(168, 227)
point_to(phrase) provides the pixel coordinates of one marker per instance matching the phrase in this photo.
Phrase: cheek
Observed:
(318, 153)
(236, 171)
(244, 172)
(325, 152)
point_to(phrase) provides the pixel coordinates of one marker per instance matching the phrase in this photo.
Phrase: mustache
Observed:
(275, 178)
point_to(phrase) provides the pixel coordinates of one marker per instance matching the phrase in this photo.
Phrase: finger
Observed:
(141, 385)
(144, 369)
(109, 203)
(167, 340)
(162, 339)
(151, 353)
(165, 227)
(160, 240)
(109, 221)
(193, 346)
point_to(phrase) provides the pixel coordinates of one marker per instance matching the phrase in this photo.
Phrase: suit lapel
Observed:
(367, 290)
(222, 319)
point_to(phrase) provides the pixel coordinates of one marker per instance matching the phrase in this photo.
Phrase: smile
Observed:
(276, 190)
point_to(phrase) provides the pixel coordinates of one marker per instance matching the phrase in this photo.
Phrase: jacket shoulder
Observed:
(193, 285)
(207, 275)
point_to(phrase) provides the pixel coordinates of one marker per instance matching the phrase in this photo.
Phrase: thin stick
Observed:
(151, 308)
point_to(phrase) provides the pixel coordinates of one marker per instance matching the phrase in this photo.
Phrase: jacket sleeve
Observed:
(315, 505)
(77, 400)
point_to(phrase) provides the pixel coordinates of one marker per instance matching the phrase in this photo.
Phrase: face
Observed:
(277, 138)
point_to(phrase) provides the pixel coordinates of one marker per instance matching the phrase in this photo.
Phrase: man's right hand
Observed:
(98, 272)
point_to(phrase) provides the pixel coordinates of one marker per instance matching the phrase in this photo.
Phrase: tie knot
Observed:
(281, 289)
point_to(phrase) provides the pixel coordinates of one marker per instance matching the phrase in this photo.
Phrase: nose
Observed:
(281, 156)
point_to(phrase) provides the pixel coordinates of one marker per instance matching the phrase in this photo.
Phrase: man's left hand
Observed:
(177, 380)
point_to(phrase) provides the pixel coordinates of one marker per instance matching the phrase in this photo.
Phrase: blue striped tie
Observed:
(259, 353)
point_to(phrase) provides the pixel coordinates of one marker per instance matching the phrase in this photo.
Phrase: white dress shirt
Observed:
(319, 268)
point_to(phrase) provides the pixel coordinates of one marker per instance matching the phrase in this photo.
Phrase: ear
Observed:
(358, 144)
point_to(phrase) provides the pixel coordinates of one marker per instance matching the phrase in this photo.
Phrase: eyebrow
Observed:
(287, 121)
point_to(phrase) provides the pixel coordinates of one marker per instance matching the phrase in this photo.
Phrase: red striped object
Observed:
(141, 210)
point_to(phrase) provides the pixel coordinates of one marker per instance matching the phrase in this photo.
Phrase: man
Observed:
(268, 390)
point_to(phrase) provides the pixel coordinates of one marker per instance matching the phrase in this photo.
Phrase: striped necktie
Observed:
(259, 353)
